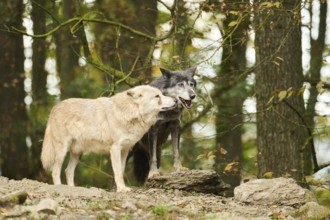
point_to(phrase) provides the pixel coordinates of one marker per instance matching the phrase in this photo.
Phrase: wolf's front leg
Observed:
(124, 154)
(116, 156)
(175, 134)
(154, 171)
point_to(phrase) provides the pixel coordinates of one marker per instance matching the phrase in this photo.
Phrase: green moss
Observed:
(160, 210)
(323, 197)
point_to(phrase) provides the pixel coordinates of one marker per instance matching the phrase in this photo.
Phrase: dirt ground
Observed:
(67, 202)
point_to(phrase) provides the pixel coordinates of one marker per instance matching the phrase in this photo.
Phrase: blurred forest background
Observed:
(263, 79)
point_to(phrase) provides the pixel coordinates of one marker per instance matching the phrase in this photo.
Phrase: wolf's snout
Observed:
(192, 96)
(175, 103)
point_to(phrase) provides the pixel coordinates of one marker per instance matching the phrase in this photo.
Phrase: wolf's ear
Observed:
(166, 73)
(192, 71)
(133, 94)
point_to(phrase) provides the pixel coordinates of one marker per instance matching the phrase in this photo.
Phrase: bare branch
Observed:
(76, 26)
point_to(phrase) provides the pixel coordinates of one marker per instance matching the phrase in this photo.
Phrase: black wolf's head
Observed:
(178, 84)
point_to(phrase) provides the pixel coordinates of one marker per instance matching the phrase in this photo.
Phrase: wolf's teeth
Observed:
(186, 103)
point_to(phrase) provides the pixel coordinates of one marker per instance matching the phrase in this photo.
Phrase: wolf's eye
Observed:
(157, 96)
(180, 84)
(191, 84)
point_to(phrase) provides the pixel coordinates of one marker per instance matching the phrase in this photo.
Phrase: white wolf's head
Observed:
(151, 100)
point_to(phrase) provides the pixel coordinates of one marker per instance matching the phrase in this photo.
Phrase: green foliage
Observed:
(210, 155)
(249, 163)
(56, 194)
(160, 210)
(269, 4)
(94, 170)
(99, 204)
(163, 17)
(103, 215)
(323, 196)
(83, 87)
(281, 95)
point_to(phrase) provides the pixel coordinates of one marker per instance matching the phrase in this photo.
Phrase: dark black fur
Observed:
(168, 123)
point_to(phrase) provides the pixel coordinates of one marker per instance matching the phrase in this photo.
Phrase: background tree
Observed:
(121, 48)
(13, 116)
(40, 96)
(317, 48)
(230, 91)
(67, 51)
(281, 135)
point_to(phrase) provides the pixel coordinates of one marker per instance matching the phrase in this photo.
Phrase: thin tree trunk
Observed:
(39, 90)
(281, 135)
(146, 12)
(67, 53)
(13, 117)
(317, 48)
(229, 117)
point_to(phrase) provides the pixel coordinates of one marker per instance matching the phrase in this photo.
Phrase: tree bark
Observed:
(67, 53)
(317, 48)
(39, 90)
(280, 133)
(229, 101)
(13, 116)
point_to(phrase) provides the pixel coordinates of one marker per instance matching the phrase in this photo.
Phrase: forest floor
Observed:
(65, 202)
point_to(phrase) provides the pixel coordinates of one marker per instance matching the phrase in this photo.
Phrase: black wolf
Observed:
(147, 152)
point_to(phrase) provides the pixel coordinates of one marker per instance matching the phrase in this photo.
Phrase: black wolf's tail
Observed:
(141, 158)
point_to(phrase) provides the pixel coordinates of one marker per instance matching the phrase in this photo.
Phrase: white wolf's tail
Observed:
(48, 150)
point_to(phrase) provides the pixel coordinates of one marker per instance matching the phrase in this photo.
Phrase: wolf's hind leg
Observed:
(56, 172)
(69, 171)
(175, 135)
(61, 149)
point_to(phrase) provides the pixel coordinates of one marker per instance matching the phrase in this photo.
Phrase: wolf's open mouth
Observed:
(186, 103)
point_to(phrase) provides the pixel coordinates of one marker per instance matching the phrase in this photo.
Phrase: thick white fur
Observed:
(103, 125)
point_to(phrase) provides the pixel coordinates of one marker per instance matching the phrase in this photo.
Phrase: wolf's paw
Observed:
(124, 189)
(153, 174)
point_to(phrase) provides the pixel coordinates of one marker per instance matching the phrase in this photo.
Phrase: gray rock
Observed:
(313, 210)
(202, 181)
(277, 191)
(48, 206)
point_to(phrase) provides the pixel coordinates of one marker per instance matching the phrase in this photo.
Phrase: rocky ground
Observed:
(28, 199)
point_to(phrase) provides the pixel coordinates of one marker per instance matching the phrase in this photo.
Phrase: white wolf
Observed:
(103, 125)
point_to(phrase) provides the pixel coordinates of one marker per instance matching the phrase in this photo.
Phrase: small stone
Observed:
(48, 206)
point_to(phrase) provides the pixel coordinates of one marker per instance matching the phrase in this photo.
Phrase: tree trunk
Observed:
(39, 90)
(281, 135)
(182, 38)
(317, 48)
(122, 49)
(146, 13)
(13, 117)
(67, 53)
(231, 93)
